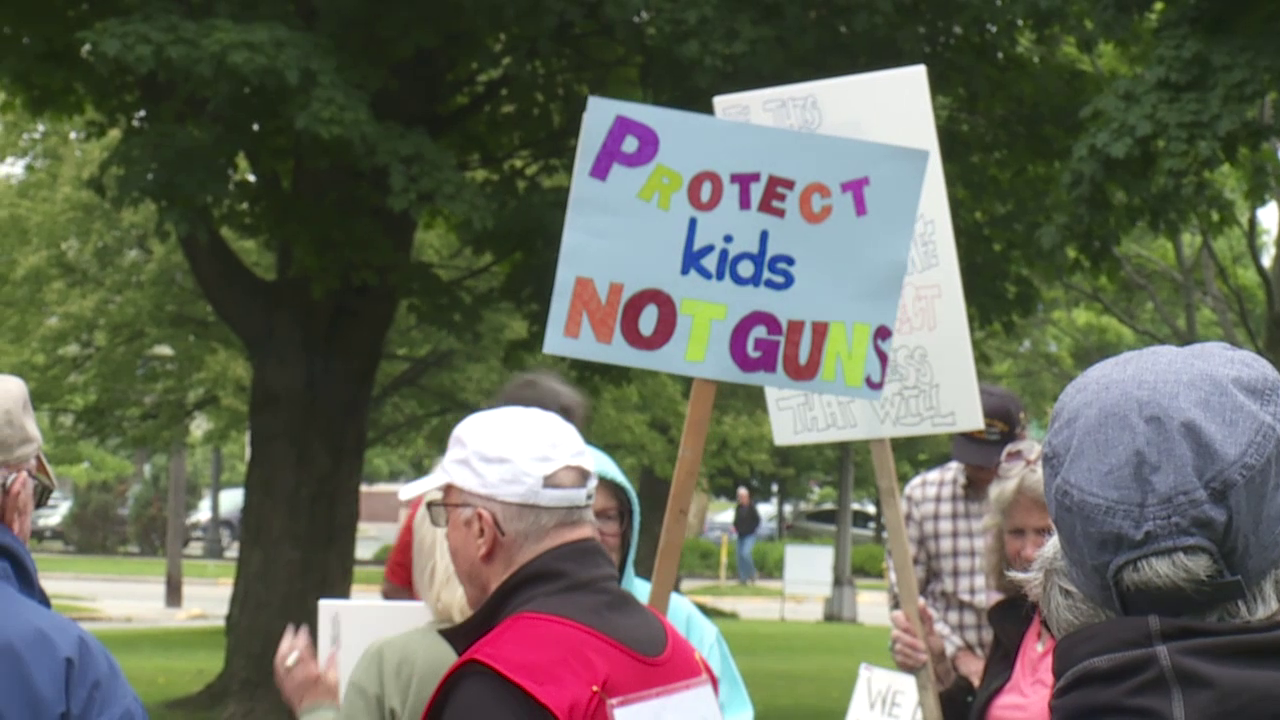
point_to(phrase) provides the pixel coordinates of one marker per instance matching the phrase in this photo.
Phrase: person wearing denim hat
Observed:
(1162, 585)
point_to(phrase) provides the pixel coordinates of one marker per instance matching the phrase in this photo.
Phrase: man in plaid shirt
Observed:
(943, 509)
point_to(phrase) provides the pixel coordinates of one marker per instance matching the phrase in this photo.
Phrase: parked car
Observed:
(47, 522)
(722, 524)
(820, 522)
(230, 503)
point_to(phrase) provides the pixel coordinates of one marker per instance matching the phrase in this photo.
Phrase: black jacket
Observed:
(1153, 668)
(1009, 618)
(576, 581)
(746, 519)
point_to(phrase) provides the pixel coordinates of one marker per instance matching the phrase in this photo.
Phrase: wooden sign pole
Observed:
(693, 439)
(908, 589)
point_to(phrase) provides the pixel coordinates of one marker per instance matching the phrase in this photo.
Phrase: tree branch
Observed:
(410, 375)
(238, 295)
(1250, 229)
(383, 434)
(1115, 312)
(1233, 289)
(1157, 304)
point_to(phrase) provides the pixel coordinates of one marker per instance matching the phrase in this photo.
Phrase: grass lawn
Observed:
(132, 566)
(793, 670)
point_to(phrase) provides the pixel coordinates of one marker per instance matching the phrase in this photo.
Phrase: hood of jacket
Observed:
(1152, 668)
(18, 569)
(608, 471)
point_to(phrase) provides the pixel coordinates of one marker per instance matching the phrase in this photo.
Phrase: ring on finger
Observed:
(292, 660)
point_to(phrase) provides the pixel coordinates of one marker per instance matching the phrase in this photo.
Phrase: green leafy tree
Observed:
(302, 156)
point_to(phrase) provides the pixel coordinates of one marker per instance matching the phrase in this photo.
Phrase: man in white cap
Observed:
(49, 666)
(553, 635)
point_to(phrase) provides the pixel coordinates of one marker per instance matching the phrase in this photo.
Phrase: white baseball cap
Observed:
(506, 453)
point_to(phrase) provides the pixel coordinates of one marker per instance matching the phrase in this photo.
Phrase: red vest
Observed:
(577, 682)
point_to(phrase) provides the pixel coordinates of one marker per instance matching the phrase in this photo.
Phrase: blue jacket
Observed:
(50, 667)
(684, 616)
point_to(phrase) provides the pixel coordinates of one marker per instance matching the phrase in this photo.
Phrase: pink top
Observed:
(1026, 695)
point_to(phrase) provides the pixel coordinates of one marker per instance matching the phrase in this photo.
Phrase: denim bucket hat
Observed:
(1166, 449)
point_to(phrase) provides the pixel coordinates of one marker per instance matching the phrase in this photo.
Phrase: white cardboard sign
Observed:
(353, 625)
(694, 700)
(932, 387)
(883, 694)
(808, 570)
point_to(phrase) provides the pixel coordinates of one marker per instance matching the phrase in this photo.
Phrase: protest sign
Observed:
(693, 700)
(882, 694)
(807, 571)
(351, 626)
(932, 381)
(733, 252)
(658, 198)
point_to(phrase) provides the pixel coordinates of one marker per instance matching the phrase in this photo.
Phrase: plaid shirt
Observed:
(944, 528)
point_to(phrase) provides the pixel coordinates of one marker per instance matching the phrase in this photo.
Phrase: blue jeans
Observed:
(746, 564)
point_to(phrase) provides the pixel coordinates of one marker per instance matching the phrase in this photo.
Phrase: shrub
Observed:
(383, 553)
(868, 560)
(701, 559)
(148, 519)
(94, 524)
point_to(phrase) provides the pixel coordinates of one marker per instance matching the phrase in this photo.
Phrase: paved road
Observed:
(138, 602)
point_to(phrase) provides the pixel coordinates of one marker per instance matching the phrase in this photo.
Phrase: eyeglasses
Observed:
(41, 487)
(438, 513)
(611, 522)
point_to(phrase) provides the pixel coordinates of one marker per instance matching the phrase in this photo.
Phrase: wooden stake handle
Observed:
(693, 439)
(908, 589)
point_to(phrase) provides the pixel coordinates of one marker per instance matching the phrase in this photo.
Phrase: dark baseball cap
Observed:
(1161, 450)
(1005, 421)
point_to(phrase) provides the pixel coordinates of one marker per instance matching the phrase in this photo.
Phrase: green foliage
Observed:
(383, 553)
(94, 524)
(148, 516)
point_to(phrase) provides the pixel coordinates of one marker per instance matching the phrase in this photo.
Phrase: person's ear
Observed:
(485, 532)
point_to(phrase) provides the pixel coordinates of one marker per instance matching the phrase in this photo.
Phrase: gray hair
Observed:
(527, 526)
(1065, 609)
(433, 572)
(1014, 479)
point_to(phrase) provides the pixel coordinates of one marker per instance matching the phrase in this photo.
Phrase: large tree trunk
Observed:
(309, 410)
(315, 355)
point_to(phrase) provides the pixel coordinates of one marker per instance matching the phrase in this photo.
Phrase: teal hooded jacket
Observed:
(684, 616)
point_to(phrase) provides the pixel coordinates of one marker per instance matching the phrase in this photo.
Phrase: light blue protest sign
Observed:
(733, 252)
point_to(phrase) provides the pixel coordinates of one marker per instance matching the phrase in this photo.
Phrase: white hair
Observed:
(1013, 480)
(433, 571)
(1065, 609)
(526, 526)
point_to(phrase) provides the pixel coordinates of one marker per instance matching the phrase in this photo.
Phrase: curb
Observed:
(129, 578)
(224, 582)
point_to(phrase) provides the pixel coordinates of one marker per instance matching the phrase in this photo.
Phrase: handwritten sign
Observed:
(883, 694)
(351, 626)
(932, 385)
(732, 252)
(693, 700)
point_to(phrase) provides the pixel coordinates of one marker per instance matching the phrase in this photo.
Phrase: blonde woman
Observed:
(1017, 680)
(396, 677)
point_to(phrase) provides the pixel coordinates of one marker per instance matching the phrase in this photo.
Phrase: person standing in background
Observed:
(746, 523)
(943, 510)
